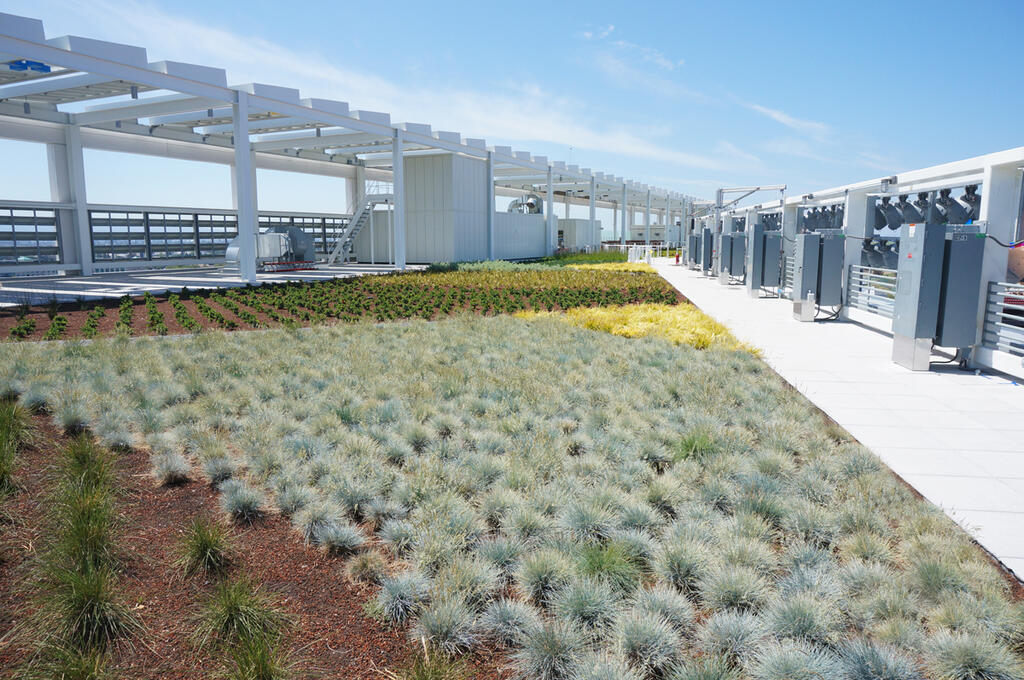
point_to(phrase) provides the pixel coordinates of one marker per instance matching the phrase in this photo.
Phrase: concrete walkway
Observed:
(957, 437)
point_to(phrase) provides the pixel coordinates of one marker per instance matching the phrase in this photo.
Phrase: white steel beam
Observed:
(245, 189)
(398, 188)
(151, 106)
(550, 216)
(307, 141)
(44, 85)
(593, 210)
(490, 205)
(647, 220)
(625, 203)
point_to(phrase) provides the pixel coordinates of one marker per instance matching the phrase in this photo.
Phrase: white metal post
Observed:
(490, 205)
(615, 222)
(61, 192)
(625, 200)
(78, 196)
(593, 212)
(245, 188)
(551, 214)
(665, 221)
(372, 259)
(647, 220)
(398, 183)
(1000, 205)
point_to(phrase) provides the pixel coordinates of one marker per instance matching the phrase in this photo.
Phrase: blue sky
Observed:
(689, 96)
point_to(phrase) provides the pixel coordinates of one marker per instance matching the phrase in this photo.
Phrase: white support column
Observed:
(356, 189)
(245, 188)
(490, 205)
(857, 212)
(665, 234)
(76, 193)
(1000, 209)
(372, 238)
(625, 209)
(615, 222)
(593, 212)
(398, 182)
(61, 192)
(550, 215)
(647, 220)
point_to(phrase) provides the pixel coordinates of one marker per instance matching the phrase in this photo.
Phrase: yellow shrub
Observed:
(617, 267)
(682, 323)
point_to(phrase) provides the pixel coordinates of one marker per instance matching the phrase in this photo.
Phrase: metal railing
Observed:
(31, 239)
(871, 289)
(788, 264)
(1004, 318)
(29, 235)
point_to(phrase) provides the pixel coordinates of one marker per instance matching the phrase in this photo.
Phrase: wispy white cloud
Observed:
(629, 76)
(600, 35)
(649, 54)
(812, 128)
(513, 113)
(875, 161)
(729, 149)
(799, 148)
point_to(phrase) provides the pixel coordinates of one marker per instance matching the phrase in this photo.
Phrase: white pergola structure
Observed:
(71, 92)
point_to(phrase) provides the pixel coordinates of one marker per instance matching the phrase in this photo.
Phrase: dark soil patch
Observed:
(330, 636)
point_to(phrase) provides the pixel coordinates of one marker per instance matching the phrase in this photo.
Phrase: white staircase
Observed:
(345, 246)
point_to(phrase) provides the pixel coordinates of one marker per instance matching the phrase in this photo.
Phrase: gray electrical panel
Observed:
(693, 249)
(707, 250)
(830, 268)
(739, 251)
(755, 258)
(918, 287)
(805, 267)
(725, 257)
(771, 276)
(961, 287)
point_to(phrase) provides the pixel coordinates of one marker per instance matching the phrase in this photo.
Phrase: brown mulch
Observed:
(330, 636)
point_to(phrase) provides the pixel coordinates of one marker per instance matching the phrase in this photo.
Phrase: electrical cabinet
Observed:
(918, 287)
(755, 259)
(831, 260)
(771, 276)
(725, 256)
(707, 243)
(961, 287)
(805, 267)
(738, 256)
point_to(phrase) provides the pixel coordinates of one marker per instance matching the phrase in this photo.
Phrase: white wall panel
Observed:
(518, 236)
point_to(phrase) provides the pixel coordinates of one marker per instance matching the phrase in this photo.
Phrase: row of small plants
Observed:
(83, 613)
(25, 327)
(58, 325)
(181, 314)
(244, 314)
(125, 310)
(91, 326)
(155, 320)
(213, 315)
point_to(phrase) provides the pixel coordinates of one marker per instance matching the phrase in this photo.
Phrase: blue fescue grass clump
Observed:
(401, 597)
(683, 514)
(507, 621)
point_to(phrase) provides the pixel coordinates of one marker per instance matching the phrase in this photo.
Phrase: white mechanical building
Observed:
(435, 191)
